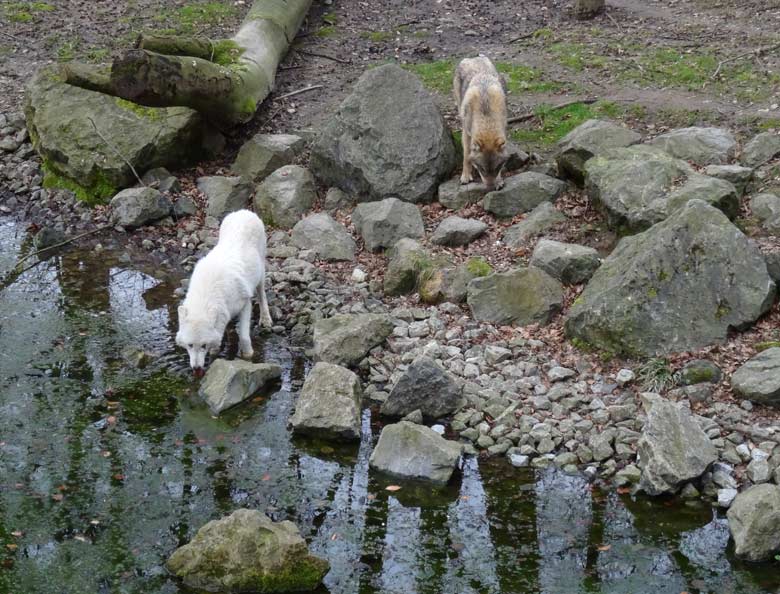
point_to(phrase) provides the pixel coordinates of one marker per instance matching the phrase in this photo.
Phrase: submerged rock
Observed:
(426, 387)
(416, 452)
(228, 383)
(754, 522)
(673, 449)
(758, 380)
(248, 552)
(345, 339)
(329, 404)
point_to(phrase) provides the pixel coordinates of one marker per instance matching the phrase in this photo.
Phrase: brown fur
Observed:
(480, 95)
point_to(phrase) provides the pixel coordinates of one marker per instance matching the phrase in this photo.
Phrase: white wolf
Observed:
(221, 288)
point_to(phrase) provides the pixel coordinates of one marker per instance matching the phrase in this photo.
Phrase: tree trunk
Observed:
(225, 80)
(587, 9)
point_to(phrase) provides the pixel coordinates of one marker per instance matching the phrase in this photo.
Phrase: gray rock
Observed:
(415, 452)
(758, 380)
(246, 551)
(345, 339)
(678, 286)
(135, 207)
(538, 221)
(383, 223)
(325, 236)
(673, 449)
(426, 387)
(587, 9)
(702, 146)
(58, 117)
(370, 147)
(522, 193)
(416, 417)
(630, 475)
(716, 192)
(224, 194)
(329, 404)
(184, 206)
(773, 265)
(454, 195)
(699, 371)
(448, 283)
(517, 460)
(455, 231)
(337, 199)
(588, 140)
(228, 383)
(263, 154)
(758, 471)
(161, 179)
(521, 296)
(600, 446)
(726, 497)
(736, 174)
(570, 263)
(406, 260)
(763, 148)
(754, 518)
(765, 206)
(624, 376)
(48, 237)
(285, 195)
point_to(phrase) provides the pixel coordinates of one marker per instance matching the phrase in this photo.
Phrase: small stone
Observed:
(557, 374)
(624, 376)
(726, 497)
(415, 417)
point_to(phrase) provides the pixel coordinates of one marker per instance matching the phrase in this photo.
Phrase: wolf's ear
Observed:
(182, 312)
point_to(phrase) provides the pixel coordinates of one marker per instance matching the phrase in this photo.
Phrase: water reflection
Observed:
(106, 469)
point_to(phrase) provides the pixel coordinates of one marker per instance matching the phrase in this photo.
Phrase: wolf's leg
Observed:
(466, 175)
(265, 315)
(244, 341)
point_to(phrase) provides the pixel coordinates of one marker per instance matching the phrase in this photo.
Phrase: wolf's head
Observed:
(200, 336)
(488, 156)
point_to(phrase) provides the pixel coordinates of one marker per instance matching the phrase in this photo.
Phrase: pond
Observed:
(106, 468)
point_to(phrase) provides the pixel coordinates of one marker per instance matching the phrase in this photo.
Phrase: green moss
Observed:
(722, 311)
(149, 113)
(152, 401)
(553, 124)
(543, 33)
(330, 18)
(437, 75)
(769, 344)
(577, 56)
(478, 267)
(24, 12)
(699, 375)
(205, 13)
(66, 52)
(652, 292)
(249, 106)
(96, 55)
(226, 52)
(95, 193)
(326, 31)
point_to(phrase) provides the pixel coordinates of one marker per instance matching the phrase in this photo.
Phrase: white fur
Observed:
(221, 288)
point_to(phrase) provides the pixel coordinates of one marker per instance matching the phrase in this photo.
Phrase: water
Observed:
(106, 469)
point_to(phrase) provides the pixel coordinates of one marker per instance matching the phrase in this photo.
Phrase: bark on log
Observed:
(225, 80)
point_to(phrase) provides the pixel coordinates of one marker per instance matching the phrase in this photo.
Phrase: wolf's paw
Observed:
(246, 353)
(466, 179)
(499, 184)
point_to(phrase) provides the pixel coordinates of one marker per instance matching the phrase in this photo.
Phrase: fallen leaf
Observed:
(58, 497)
(392, 488)
(81, 538)
(604, 547)
(623, 490)
(118, 476)
(266, 477)
(11, 546)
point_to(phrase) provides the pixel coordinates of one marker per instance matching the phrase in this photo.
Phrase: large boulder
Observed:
(263, 154)
(426, 387)
(762, 149)
(248, 552)
(679, 286)
(75, 153)
(735, 174)
(406, 260)
(285, 195)
(673, 448)
(383, 223)
(702, 146)
(457, 231)
(224, 194)
(414, 451)
(135, 207)
(522, 193)
(538, 221)
(325, 236)
(329, 404)
(758, 380)
(455, 195)
(521, 296)
(641, 185)
(570, 263)
(228, 383)
(386, 139)
(345, 339)
(588, 140)
(754, 522)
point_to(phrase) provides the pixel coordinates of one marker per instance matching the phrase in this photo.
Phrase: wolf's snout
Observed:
(198, 372)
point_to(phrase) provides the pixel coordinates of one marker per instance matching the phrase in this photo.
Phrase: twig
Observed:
(62, 243)
(9, 36)
(116, 150)
(298, 92)
(524, 36)
(406, 23)
(326, 56)
(755, 52)
(530, 116)
(614, 22)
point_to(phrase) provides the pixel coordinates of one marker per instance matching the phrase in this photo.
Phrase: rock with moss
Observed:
(77, 155)
(263, 154)
(285, 195)
(539, 220)
(735, 174)
(412, 451)
(426, 387)
(570, 263)
(641, 185)
(588, 140)
(761, 149)
(406, 260)
(136, 207)
(679, 286)
(522, 193)
(383, 223)
(248, 552)
(325, 236)
(758, 380)
(455, 195)
(450, 283)
(457, 231)
(345, 339)
(228, 383)
(754, 517)
(673, 449)
(371, 147)
(699, 371)
(701, 146)
(224, 194)
(521, 296)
